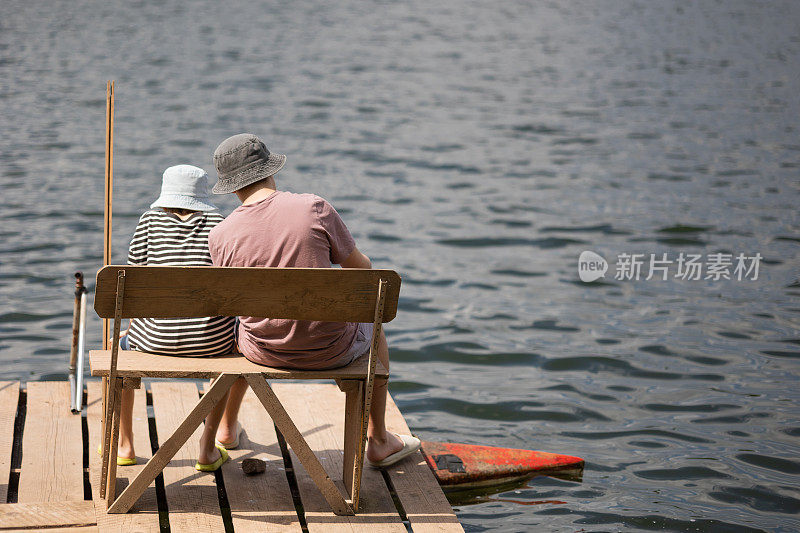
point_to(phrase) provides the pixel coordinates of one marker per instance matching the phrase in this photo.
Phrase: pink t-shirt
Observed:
(287, 230)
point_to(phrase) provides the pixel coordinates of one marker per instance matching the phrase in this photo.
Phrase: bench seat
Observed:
(135, 364)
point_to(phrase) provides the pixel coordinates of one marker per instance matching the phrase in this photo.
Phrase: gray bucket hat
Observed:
(184, 187)
(241, 160)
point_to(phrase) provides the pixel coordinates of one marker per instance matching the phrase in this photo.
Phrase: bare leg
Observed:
(208, 451)
(380, 443)
(126, 425)
(227, 426)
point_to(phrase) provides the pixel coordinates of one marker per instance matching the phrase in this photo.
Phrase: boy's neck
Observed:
(257, 191)
(183, 214)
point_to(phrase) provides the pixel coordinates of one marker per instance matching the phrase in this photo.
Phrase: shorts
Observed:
(361, 343)
(360, 346)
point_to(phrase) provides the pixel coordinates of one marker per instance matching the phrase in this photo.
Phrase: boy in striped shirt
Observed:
(174, 231)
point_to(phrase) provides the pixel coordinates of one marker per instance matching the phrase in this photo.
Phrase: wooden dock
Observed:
(49, 468)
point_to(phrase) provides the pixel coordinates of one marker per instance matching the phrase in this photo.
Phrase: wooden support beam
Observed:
(285, 425)
(260, 502)
(171, 446)
(323, 429)
(191, 496)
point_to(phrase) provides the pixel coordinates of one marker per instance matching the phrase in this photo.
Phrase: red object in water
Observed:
(466, 466)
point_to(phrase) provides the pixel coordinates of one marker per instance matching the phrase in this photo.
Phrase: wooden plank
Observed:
(132, 364)
(144, 513)
(172, 445)
(422, 499)
(191, 495)
(318, 410)
(264, 501)
(28, 516)
(327, 294)
(52, 446)
(9, 398)
(333, 494)
(67, 529)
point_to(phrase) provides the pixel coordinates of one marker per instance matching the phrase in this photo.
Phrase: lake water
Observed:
(478, 149)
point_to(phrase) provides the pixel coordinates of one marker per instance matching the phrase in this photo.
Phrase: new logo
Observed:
(591, 266)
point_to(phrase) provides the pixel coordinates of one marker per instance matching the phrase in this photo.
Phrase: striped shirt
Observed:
(162, 238)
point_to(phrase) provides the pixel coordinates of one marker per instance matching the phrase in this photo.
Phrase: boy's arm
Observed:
(356, 259)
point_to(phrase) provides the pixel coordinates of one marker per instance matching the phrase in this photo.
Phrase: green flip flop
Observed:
(223, 456)
(121, 461)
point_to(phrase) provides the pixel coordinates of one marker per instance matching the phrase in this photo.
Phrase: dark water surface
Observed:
(478, 149)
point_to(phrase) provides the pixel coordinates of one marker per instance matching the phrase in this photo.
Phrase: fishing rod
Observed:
(108, 396)
(109, 188)
(76, 359)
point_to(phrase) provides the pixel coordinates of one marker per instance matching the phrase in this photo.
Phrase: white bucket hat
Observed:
(184, 187)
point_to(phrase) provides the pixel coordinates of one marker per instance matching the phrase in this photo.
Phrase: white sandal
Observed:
(410, 445)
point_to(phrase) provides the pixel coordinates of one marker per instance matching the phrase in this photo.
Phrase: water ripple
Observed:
(503, 141)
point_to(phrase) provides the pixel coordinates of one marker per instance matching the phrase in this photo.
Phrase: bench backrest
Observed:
(324, 294)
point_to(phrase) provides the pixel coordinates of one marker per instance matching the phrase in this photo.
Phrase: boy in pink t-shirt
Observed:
(280, 229)
(289, 230)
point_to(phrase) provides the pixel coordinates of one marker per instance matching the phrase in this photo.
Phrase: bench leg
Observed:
(104, 401)
(166, 452)
(112, 395)
(353, 411)
(332, 494)
(111, 480)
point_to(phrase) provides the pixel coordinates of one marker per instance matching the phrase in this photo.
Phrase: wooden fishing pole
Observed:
(109, 188)
(109, 194)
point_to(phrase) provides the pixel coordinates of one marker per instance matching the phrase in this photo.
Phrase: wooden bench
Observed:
(320, 294)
